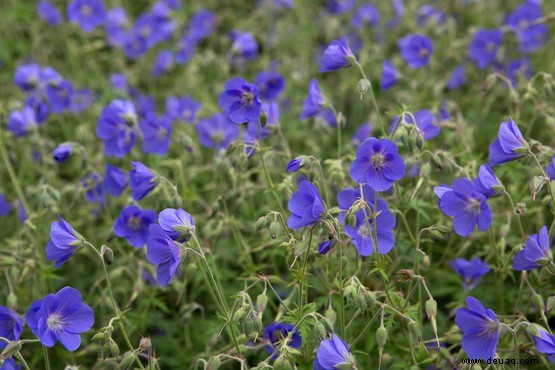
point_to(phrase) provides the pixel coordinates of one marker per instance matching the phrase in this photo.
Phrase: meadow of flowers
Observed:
(277, 184)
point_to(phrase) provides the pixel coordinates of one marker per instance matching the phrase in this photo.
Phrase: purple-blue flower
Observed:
(240, 100)
(22, 122)
(331, 353)
(132, 224)
(62, 317)
(59, 96)
(536, 252)
(416, 50)
(88, 14)
(270, 84)
(337, 55)
(163, 63)
(115, 180)
(182, 109)
(5, 206)
(116, 127)
(424, 122)
(457, 78)
(545, 344)
(531, 36)
(550, 169)
(468, 207)
(116, 24)
(519, 70)
(93, 187)
(142, 180)
(509, 145)
(362, 232)
(62, 152)
(186, 48)
(484, 46)
(217, 131)
(11, 325)
(64, 242)
(325, 247)
(177, 224)
(276, 332)
(164, 252)
(377, 164)
(398, 12)
(294, 165)
(390, 76)
(471, 272)
(243, 47)
(306, 206)
(157, 133)
(314, 102)
(367, 15)
(428, 13)
(9, 364)
(487, 183)
(49, 13)
(480, 329)
(340, 6)
(363, 132)
(201, 25)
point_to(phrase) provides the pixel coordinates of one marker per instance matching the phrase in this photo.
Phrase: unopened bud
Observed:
(534, 330)
(261, 302)
(521, 208)
(363, 87)
(415, 330)
(361, 302)
(550, 304)
(351, 220)
(128, 360)
(538, 302)
(263, 118)
(370, 297)
(419, 142)
(12, 300)
(113, 347)
(107, 254)
(275, 229)
(11, 349)
(431, 308)
(283, 362)
(381, 337)
(536, 185)
(214, 363)
(331, 317)
(261, 223)
(145, 344)
(341, 120)
(320, 331)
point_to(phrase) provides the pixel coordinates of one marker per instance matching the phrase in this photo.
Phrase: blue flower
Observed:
(5, 206)
(457, 78)
(22, 122)
(398, 11)
(270, 84)
(11, 325)
(480, 329)
(531, 36)
(363, 132)
(186, 48)
(467, 206)
(115, 180)
(519, 70)
(164, 252)
(545, 343)
(390, 76)
(337, 55)
(428, 13)
(340, 6)
(177, 224)
(49, 13)
(115, 127)
(295, 164)
(240, 100)
(157, 134)
(133, 223)
(62, 152)
(59, 96)
(276, 332)
(306, 206)
(62, 317)
(324, 247)
(163, 63)
(9, 364)
(142, 180)
(377, 164)
(243, 47)
(64, 242)
(484, 47)
(471, 271)
(217, 131)
(487, 183)
(416, 50)
(115, 25)
(362, 232)
(314, 102)
(93, 187)
(332, 353)
(509, 145)
(367, 15)
(550, 169)
(536, 252)
(182, 109)
(88, 14)
(424, 122)
(201, 25)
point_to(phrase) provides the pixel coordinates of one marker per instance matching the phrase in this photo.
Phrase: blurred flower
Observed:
(142, 180)
(340, 6)
(367, 15)
(62, 317)
(93, 187)
(201, 25)
(240, 100)
(486, 182)
(295, 164)
(177, 224)
(331, 353)
(182, 109)
(457, 78)
(134, 45)
(163, 63)
(116, 127)
(59, 96)
(363, 132)
(306, 206)
(480, 329)
(88, 14)
(64, 241)
(424, 122)
(467, 206)
(315, 102)
(545, 343)
(325, 247)
(243, 47)
(484, 47)
(217, 131)
(276, 332)
(362, 232)
(390, 76)
(22, 122)
(536, 252)
(11, 325)
(132, 224)
(80, 100)
(5, 206)
(519, 70)
(162, 251)
(270, 84)
(119, 81)
(377, 164)
(428, 13)
(115, 180)
(531, 36)
(337, 55)
(185, 50)
(49, 13)
(9, 364)
(37, 103)
(116, 24)
(398, 11)
(62, 152)
(416, 50)
(156, 132)
(508, 146)
(471, 271)
(550, 169)
(326, 117)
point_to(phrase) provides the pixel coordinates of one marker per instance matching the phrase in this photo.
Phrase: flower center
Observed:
(247, 98)
(134, 223)
(423, 53)
(54, 322)
(378, 161)
(474, 206)
(490, 46)
(86, 10)
(217, 136)
(365, 230)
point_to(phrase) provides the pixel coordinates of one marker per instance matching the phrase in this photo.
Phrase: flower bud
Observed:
(363, 87)
(128, 360)
(11, 350)
(550, 304)
(214, 363)
(370, 297)
(261, 223)
(419, 142)
(263, 118)
(351, 220)
(415, 330)
(248, 326)
(520, 208)
(275, 229)
(431, 308)
(341, 120)
(320, 331)
(283, 362)
(361, 302)
(12, 300)
(381, 337)
(538, 302)
(107, 254)
(145, 344)
(534, 330)
(536, 185)
(100, 337)
(261, 302)
(113, 347)
(426, 262)
(331, 317)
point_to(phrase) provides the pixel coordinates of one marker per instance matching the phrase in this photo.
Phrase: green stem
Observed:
(46, 358)
(546, 178)
(501, 273)
(373, 98)
(303, 273)
(13, 177)
(341, 299)
(513, 211)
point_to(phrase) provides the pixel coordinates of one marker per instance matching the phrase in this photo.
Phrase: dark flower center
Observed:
(217, 136)
(134, 223)
(423, 53)
(378, 161)
(247, 98)
(278, 335)
(86, 10)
